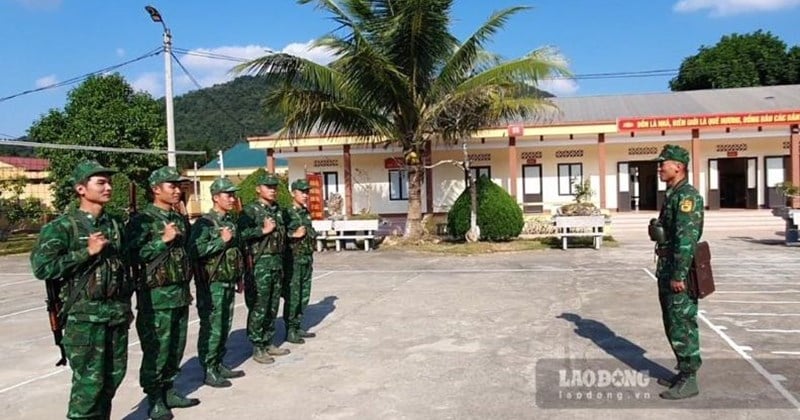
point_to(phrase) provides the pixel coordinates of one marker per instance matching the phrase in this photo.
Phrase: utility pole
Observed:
(156, 17)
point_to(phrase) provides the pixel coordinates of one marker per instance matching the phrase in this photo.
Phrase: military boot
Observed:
(215, 379)
(273, 350)
(260, 356)
(668, 382)
(176, 400)
(158, 407)
(306, 334)
(293, 336)
(684, 387)
(229, 373)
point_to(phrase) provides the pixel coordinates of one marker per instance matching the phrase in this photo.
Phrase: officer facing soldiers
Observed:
(263, 233)
(83, 250)
(676, 233)
(219, 266)
(299, 263)
(159, 237)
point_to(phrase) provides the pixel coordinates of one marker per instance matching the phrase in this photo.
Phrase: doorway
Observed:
(732, 183)
(638, 187)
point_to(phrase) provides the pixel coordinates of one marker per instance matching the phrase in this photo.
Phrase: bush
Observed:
(499, 215)
(247, 189)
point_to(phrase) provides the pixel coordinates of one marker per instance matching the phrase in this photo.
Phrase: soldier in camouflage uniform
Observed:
(158, 237)
(681, 222)
(263, 233)
(299, 263)
(83, 250)
(219, 267)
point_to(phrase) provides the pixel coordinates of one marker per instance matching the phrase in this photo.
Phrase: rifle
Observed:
(135, 268)
(54, 305)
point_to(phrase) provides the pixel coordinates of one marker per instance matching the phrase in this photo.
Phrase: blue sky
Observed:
(50, 41)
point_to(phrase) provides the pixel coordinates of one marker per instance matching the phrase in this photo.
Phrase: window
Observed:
(330, 184)
(398, 184)
(568, 175)
(477, 172)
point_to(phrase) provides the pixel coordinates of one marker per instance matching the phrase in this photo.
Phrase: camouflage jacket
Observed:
(682, 218)
(296, 217)
(207, 247)
(251, 223)
(61, 253)
(164, 269)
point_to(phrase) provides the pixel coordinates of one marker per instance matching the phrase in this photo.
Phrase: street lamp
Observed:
(167, 84)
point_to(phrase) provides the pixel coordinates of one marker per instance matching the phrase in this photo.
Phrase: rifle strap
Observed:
(221, 255)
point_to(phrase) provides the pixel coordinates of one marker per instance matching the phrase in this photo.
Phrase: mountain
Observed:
(220, 116)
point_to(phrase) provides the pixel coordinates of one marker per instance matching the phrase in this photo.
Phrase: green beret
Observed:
(268, 179)
(87, 169)
(165, 174)
(223, 185)
(301, 185)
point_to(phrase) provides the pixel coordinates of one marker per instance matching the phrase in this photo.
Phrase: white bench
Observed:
(574, 226)
(342, 230)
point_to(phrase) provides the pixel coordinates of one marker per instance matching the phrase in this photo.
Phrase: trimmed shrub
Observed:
(247, 189)
(499, 215)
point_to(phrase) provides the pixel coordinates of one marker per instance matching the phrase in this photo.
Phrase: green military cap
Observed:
(89, 168)
(268, 179)
(300, 184)
(675, 153)
(223, 185)
(165, 174)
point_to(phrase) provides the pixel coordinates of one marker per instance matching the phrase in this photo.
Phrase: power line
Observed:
(84, 76)
(94, 148)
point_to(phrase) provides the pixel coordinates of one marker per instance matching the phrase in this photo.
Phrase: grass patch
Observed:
(17, 244)
(439, 246)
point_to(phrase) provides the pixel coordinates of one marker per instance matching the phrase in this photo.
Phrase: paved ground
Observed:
(413, 336)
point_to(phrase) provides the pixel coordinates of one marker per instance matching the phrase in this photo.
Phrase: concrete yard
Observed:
(404, 335)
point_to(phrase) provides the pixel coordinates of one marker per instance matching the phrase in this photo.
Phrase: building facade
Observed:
(742, 141)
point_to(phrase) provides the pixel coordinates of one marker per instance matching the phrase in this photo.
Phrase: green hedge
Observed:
(499, 215)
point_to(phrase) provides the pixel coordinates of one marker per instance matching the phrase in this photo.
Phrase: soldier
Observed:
(263, 231)
(299, 263)
(159, 237)
(219, 266)
(83, 250)
(676, 233)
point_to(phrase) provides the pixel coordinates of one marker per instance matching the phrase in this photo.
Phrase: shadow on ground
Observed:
(620, 347)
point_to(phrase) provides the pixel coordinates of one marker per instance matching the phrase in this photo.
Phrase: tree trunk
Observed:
(416, 175)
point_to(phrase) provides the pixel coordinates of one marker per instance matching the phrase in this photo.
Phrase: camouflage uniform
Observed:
(99, 309)
(264, 273)
(681, 217)
(298, 268)
(219, 268)
(163, 297)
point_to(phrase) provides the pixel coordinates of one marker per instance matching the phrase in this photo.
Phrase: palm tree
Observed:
(401, 78)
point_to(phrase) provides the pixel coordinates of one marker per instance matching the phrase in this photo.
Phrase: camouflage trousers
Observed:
(163, 336)
(215, 307)
(98, 355)
(262, 296)
(297, 290)
(679, 314)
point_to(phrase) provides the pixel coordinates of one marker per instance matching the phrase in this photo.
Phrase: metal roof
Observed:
(26, 163)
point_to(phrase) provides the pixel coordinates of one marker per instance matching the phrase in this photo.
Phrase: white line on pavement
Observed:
(38, 308)
(56, 372)
(789, 353)
(18, 282)
(740, 350)
(773, 331)
(756, 314)
(742, 292)
(773, 302)
(749, 283)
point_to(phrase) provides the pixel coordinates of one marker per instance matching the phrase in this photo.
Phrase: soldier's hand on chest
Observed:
(96, 242)
(269, 226)
(226, 234)
(170, 232)
(300, 232)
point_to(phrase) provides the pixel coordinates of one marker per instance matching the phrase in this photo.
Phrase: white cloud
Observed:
(305, 50)
(559, 87)
(152, 83)
(732, 7)
(46, 81)
(120, 52)
(47, 5)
